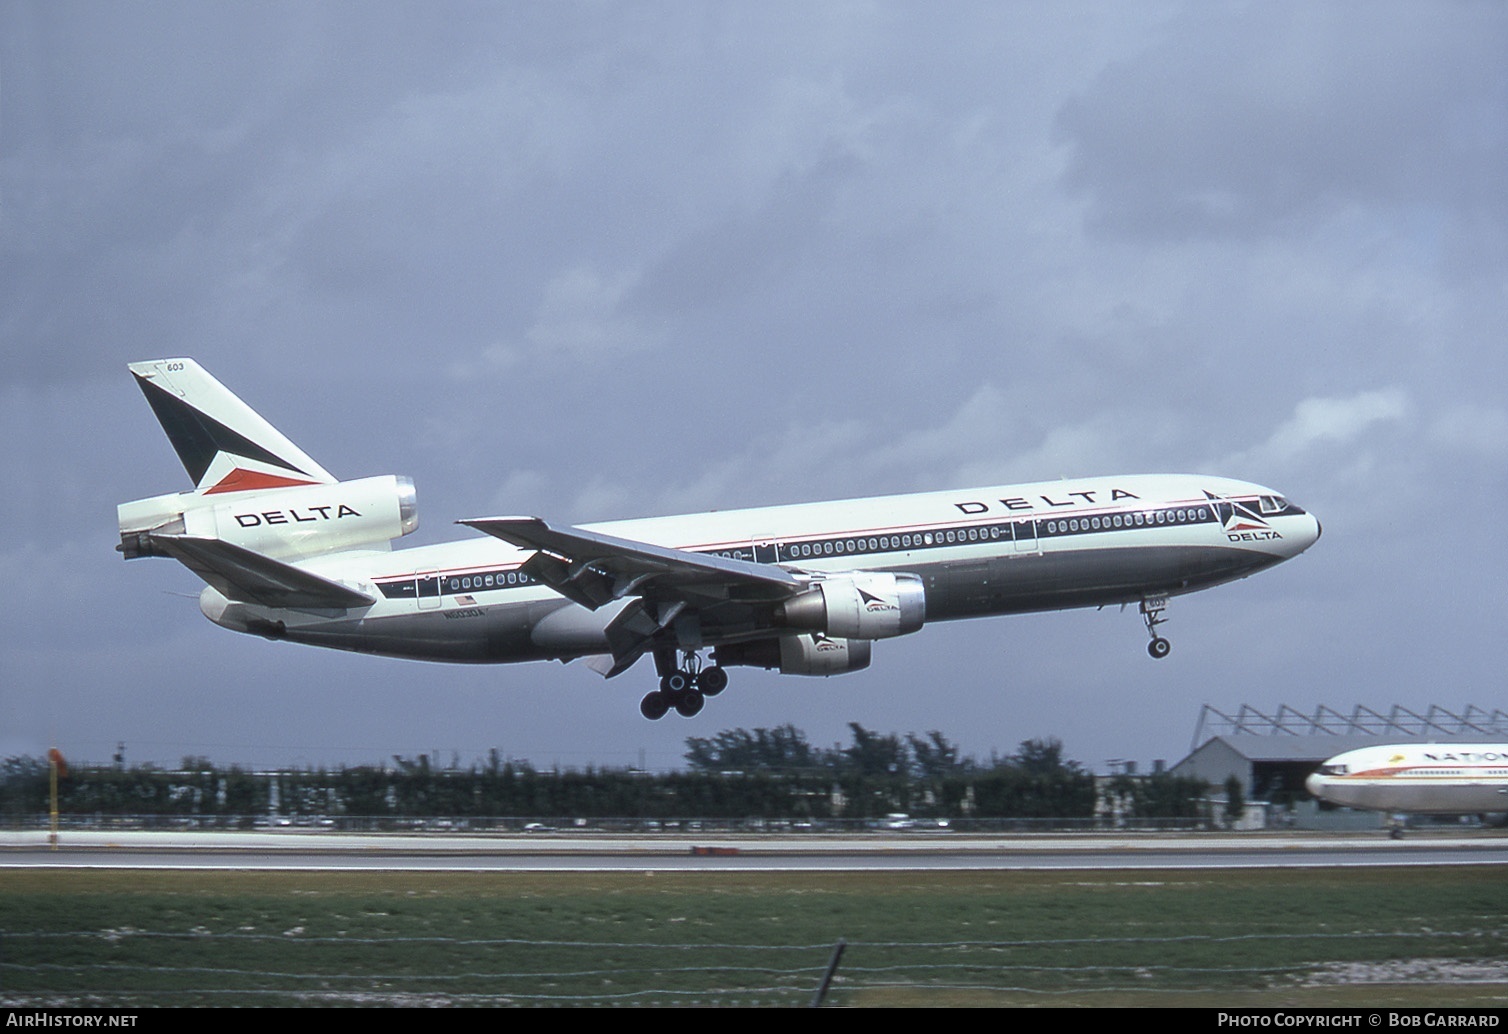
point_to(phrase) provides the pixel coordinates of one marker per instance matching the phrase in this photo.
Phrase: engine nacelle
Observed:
(799, 654)
(863, 605)
(285, 523)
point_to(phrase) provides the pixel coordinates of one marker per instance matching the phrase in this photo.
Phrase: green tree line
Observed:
(736, 774)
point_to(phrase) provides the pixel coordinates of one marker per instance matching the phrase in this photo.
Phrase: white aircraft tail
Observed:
(223, 443)
(254, 489)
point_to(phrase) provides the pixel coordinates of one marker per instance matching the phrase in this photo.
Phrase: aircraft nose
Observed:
(1308, 534)
(1315, 532)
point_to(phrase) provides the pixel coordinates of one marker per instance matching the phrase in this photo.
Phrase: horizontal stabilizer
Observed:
(242, 574)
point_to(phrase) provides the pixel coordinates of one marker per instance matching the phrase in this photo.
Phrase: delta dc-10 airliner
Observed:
(289, 552)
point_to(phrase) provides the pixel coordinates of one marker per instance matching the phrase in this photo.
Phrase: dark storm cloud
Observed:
(1257, 119)
(594, 260)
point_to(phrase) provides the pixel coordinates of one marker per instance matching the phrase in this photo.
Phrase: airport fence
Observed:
(534, 825)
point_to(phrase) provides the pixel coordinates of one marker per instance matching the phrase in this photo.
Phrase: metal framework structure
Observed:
(1399, 721)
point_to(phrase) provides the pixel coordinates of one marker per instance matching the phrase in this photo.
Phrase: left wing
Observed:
(670, 585)
(593, 569)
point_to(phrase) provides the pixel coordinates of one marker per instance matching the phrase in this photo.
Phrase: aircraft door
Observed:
(1026, 535)
(427, 586)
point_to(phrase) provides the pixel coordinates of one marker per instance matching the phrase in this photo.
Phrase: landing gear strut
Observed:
(684, 688)
(1151, 612)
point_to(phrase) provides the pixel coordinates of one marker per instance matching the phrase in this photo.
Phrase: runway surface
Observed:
(682, 852)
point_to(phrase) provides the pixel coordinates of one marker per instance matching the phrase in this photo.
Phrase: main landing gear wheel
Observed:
(684, 689)
(688, 702)
(712, 681)
(654, 706)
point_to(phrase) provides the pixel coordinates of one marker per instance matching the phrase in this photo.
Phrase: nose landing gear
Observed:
(1151, 612)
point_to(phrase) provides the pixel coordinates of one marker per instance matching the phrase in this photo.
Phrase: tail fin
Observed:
(255, 491)
(223, 443)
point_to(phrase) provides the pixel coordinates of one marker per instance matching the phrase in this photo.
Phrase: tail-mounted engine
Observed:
(863, 605)
(799, 654)
(284, 523)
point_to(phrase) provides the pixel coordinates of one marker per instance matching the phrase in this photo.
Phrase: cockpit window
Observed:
(1273, 504)
(1332, 770)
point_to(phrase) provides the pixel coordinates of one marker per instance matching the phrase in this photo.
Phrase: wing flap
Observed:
(242, 574)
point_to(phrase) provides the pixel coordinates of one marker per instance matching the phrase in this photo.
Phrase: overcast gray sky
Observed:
(599, 260)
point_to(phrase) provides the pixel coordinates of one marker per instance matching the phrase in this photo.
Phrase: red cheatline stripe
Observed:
(242, 480)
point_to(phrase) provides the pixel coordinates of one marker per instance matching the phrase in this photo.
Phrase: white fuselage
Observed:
(1009, 549)
(288, 551)
(1425, 778)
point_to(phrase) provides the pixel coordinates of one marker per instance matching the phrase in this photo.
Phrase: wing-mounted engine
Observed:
(799, 654)
(862, 605)
(285, 523)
